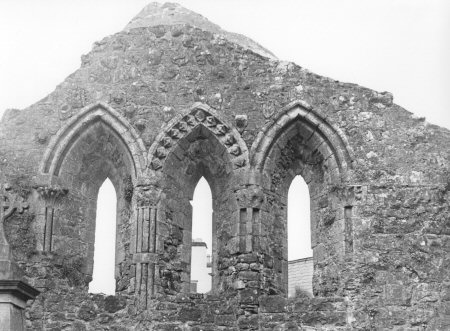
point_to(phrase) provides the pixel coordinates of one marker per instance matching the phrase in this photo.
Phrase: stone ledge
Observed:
(18, 290)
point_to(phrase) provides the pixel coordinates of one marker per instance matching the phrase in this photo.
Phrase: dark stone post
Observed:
(14, 293)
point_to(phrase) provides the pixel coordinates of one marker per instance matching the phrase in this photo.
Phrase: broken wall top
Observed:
(168, 58)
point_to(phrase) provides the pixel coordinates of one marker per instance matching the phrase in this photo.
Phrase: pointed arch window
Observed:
(103, 279)
(201, 238)
(300, 264)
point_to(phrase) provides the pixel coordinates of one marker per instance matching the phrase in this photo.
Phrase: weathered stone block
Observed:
(225, 320)
(189, 314)
(272, 303)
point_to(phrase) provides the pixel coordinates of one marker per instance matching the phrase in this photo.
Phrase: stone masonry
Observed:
(172, 98)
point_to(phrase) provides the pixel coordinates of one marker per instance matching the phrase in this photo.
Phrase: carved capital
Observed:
(51, 193)
(250, 197)
(148, 195)
(348, 195)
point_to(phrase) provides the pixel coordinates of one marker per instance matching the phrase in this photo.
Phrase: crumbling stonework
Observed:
(156, 107)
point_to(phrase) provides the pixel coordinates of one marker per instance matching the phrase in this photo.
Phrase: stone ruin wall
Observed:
(156, 108)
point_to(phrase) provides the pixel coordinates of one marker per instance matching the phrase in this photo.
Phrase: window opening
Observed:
(103, 280)
(201, 238)
(300, 263)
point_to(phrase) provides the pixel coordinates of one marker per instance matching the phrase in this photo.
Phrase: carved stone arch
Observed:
(301, 142)
(319, 134)
(196, 143)
(97, 143)
(91, 114)
(181, 125)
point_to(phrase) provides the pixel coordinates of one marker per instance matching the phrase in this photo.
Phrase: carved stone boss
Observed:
(51, 195)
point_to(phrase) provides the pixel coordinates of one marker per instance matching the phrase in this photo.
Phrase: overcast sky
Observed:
(400, 46)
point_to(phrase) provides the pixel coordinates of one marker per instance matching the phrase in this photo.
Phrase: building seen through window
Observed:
(201, 228)
(300, 265)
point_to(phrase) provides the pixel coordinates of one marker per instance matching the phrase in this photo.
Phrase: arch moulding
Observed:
(323, 136)
(68, 135)
(181, 125)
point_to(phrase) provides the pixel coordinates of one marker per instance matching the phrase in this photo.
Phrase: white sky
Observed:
(400, 46)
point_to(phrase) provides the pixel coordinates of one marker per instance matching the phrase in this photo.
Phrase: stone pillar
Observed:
(258, 256)
(144, 245)
(249, 268)
(14, 293)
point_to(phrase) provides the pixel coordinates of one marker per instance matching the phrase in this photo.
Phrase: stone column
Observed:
(14, 293)
(251, 248)
(261, 256)
(144, 245)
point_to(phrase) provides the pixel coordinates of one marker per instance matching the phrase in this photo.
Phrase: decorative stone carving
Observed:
(229, 140)
(190, 119)
(166, 142)
(185, 126)
(241, 122)
(211, 121)
(349, 194)
(140, 124)
(118, 97)
(160, 153)
(9, 203)
(252, 196)
(221, 129)
(239, 163)
(14, 293)
(268, 111)
(42, 136)
(51, 195)
(174, 133)
(235, 150)
(156, 164)
(167, 113)
(200, 115)
(147, 195)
